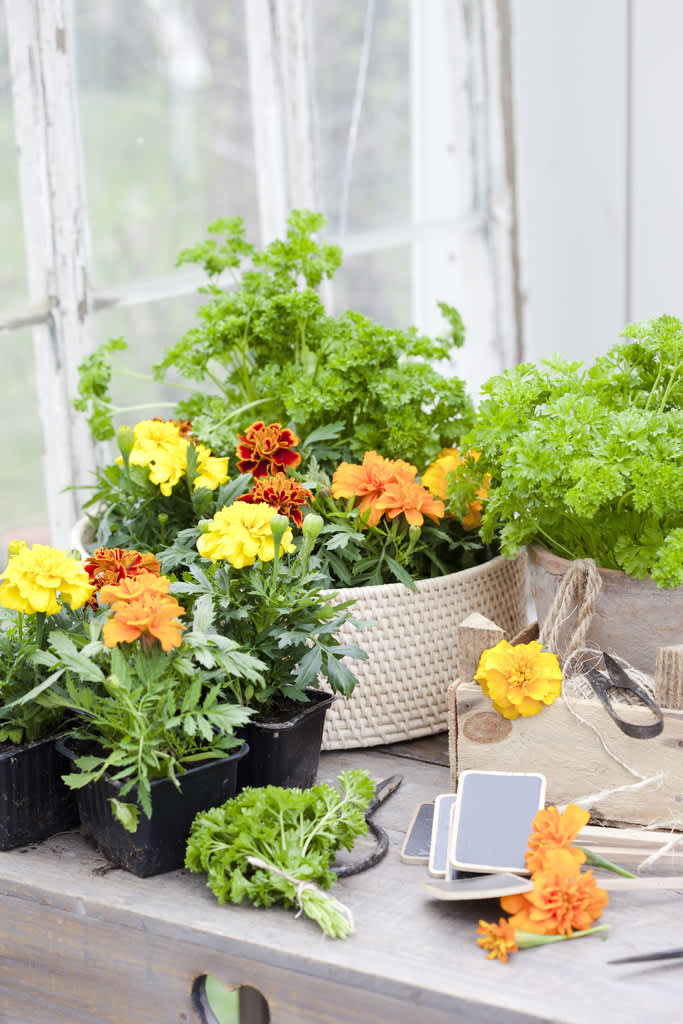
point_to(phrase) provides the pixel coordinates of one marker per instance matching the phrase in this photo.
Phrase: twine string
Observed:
(300, 886)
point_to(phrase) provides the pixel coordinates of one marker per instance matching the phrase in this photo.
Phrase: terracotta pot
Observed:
(632, 617)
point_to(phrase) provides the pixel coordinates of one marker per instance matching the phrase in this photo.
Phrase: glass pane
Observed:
(165, 120)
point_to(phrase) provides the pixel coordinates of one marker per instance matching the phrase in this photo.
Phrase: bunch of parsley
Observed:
(589, 463)
(293, 835)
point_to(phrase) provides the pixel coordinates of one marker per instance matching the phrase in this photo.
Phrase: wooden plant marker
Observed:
(570, 753)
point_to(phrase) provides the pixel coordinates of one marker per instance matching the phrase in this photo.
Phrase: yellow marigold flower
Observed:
(212, 470)
(555, 831)
(520, 680)
(499, 939)
(160, 446)
(35, 576)
(240, 533)
(435, 479)
(563, 900)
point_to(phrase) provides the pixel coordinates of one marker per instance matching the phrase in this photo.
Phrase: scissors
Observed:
(383, 790)
(618, 679)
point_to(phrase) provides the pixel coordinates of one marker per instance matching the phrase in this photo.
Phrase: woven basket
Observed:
(413, 650)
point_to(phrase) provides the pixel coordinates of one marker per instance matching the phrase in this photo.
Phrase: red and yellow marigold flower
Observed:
(368, 482)
(498, 939)
(111, 565)
(267, 449)
(520, 679)
(555, 831)
(562, 901)
(41, 579)
(240, 533)
(435, 479)
(282, 493)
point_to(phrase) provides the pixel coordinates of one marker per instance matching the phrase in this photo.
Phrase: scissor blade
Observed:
(666, 954)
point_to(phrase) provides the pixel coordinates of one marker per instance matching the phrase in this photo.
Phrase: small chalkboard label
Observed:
(438, 851)
(415, 849)
(492, 819)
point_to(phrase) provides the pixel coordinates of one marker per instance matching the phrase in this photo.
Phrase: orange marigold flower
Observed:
(132, 587)
(148, 616)
(367, 482)
(555, 831)
(282, 493)
(561, 901)
(519, 679)
(267, 449)
(411, 499)
(435, 479)
(499, 939)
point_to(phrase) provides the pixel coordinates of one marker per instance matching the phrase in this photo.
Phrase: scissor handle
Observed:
(620, 681)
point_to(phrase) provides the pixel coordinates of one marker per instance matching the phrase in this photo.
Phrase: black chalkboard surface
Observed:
(492, 819)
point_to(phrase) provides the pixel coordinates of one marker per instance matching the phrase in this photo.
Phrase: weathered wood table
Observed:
(80, 942)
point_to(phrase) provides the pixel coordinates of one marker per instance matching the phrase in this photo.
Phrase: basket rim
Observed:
(432, 582)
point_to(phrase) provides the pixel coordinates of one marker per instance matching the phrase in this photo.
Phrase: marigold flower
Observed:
(240, 533)
(212, 470)
(499, 939)
(35, 576)
(162, 446)
(130, 589)
(147, 616)
(410, 499)
(555, 831)
(367, 482)
(109, 565)
(520, 680)
(280, 492)
(267, 449)
(562, 900)
(435, 479)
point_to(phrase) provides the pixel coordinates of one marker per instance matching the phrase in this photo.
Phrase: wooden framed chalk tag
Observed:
(438, 850)
(417, 843)
(492, 819)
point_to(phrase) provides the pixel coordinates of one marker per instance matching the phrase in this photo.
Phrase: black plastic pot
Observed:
(34, 802)
(286, 751)
(158, 845)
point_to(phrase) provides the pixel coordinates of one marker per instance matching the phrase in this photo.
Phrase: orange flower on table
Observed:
(367, 482)
(555, 831)
(143, 610)
(498, 939)
(520, 679)
(267, 449)
(410, 499)
(435, 479)
(562, 901)
(280, 492)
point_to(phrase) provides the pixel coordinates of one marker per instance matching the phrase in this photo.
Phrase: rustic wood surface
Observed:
(81, 943)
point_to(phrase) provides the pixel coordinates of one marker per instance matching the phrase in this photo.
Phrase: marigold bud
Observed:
(312, 525)
(125, 439)
(278, 525)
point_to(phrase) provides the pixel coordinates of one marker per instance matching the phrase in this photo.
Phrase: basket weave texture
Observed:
(413, 650)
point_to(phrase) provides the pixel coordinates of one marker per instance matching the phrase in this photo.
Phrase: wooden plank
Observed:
(572, 757)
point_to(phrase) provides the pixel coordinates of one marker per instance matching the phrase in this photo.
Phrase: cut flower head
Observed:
(520, 679)
(553, 830)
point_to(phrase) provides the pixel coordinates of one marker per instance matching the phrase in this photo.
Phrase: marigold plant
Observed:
(449, 470)
(282, 493)
(520, 679)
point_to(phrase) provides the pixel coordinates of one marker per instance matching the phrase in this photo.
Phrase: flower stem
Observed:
(595, 860)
